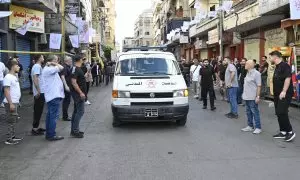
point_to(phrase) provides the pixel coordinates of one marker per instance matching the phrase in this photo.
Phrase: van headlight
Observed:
(181, 93)
(120, 94)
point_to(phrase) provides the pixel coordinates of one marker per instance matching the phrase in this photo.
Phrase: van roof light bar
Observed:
(146, 48)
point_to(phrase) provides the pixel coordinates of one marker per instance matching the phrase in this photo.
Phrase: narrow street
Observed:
(210, 146)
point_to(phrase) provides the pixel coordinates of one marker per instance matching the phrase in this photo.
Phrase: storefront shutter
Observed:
(24, 45)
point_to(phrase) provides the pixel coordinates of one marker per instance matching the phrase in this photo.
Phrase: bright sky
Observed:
(127, 13)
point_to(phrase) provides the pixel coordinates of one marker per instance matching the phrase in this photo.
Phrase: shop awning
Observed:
(285, 23)
(42, 5)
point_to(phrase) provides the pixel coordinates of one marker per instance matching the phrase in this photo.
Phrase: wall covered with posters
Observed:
(275, 38)
(251, 44)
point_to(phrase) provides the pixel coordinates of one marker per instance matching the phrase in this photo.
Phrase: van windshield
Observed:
(147, 66)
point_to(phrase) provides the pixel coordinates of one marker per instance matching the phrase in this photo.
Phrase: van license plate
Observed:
(151, 112)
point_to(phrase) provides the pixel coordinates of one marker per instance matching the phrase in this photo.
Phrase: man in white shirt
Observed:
(12, 93)
(38, 93)
(2, 71)
(54, 93)
(194, 74)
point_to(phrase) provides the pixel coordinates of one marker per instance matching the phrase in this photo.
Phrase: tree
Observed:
(107, 52)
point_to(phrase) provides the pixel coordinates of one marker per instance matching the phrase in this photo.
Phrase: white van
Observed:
(148, 86)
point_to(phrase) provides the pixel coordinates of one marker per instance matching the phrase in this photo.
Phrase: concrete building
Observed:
(143, 29)
(128, 42)
(110, 18)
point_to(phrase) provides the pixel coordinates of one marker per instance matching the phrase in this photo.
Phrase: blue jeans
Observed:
(77, 115)
(1, 92)
(253, 114)
(52, 117)
(232, 97)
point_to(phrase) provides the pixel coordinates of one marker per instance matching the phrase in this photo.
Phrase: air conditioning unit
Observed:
(42, 39)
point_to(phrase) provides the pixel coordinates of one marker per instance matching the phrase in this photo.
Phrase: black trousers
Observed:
(208, 90)
(282, 110)
(66, 104)
(107, 79)
(88, 84)
(95, 79)
(38, 108)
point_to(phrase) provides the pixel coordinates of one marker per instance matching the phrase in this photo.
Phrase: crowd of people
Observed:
(53, 83)
(244, 82)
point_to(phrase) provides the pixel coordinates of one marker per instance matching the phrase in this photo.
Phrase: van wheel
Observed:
(116, 122)
(182, 121)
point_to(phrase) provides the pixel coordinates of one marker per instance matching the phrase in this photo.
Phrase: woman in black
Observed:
(207, 84)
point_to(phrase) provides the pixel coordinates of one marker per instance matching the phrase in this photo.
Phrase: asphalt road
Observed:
(209, 147)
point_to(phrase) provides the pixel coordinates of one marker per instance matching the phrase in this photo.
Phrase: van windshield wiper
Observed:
(158, 73)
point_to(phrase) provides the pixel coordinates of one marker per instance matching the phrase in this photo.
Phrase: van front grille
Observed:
(152, 103)
(154, 95)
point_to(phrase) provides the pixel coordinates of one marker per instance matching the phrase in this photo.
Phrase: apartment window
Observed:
(147, 33)
(212, 8)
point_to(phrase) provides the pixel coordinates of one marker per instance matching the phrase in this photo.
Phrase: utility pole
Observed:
(63, 32)
(221, 17)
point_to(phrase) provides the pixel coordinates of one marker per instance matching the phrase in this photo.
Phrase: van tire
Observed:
(182, 121)
(116, 122)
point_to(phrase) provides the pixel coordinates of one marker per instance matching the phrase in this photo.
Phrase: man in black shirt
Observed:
(78, 91)
(207, 84)
(283, 92)
(66, 78)
(264, 76)
(242, 75)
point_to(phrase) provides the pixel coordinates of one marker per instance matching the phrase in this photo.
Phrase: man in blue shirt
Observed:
(54, 93)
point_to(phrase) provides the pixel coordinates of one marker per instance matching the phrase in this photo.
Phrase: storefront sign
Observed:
(21, 16)
(72, 8)
(213, 36)
(285, 51)
(183, 39)
(269, 5)
(5, 1)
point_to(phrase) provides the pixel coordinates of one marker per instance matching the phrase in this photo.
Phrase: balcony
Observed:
(42, 5)
(276, 6)
(240, 4)
(249, 18)
(206, 25)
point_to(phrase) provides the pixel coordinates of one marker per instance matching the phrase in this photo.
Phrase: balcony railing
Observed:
(242, 4)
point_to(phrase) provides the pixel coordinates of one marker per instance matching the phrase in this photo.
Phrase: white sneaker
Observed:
(257, 131)
(247, 129)
(88, 102)
(196, 96)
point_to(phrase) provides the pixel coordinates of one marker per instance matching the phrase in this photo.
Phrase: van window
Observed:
(147, 66)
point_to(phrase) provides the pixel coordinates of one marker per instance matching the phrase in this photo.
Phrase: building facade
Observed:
(143, 29)
(109, 22)
(128, 42)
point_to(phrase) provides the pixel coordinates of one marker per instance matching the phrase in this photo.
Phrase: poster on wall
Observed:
(83, 31)
(55, 41)
(21, 16)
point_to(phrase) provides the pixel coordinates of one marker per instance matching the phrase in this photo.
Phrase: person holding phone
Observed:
(12, 92)
(283, 93)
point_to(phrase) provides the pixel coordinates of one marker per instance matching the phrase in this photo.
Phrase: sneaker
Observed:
(88, 102)
(196, 96)
(11, 142)
(228, 114)
(213, 108)
(77, 135)
(42, 129)
(290, 136)
(17, 138)
(247, 129)
(2, 105)
(279, 136)
(36, 132)
(66, 119)
(257, 131)
(55, 138)
(233, 116)
(80, 132)
(204, 107)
